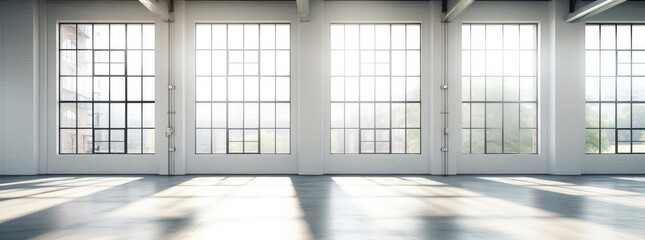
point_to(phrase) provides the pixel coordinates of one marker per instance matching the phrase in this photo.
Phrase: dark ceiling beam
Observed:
(591, 9)
(160, 8)
(453, 8)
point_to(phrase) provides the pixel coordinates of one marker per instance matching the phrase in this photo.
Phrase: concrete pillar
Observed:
(310, 92)
(566, 92)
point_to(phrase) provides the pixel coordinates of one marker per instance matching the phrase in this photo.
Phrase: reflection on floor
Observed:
(322, 207)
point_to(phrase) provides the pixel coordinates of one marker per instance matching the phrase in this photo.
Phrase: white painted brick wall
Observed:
(2, 94)
(18, 111)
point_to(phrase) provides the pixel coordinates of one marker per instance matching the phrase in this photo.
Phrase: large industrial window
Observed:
(375, 88)
(615, 88)
(499, 93)
(242, 88)
(106, 88)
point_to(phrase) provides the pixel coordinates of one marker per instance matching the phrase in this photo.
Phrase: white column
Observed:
(310, 91)
(566, 92)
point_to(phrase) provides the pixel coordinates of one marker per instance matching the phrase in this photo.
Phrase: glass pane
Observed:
(68, 115)
(68, 141)
(148, 36)
(219, 141)
(84, 137)
(117, 115)
(134, 115)
(337, 144)
(511, 128)
(608, 115)
(84, 36)
(235, 115)
(134, 36)
(638, 115)
(251, 115)
(84, 115)
(608, 143)
(283, 113)
(351, 140)
(203, 141)
(134, 140)
(283, 141)
(148, 89)
(117, 36)
(101, 115)
(203, 36)
(84, 63)
(413, 141)
(477, 139)
(493, 141)
(219, 115)
(101, 36)
(337, 115)
(67, 62)
(267, 138)
(148, 115)
(367, 115)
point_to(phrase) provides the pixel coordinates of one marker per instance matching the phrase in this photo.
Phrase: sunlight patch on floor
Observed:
(620, 197)
(382, 204)
(51, 192)
(226, 208)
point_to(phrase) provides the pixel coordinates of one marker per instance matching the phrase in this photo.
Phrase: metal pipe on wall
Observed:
(444, 104)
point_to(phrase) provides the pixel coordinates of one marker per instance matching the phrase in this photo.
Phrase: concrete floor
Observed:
(322, 207)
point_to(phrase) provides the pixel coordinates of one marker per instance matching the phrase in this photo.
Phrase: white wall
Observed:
(19, 111)
(2, 94)
(26, 48)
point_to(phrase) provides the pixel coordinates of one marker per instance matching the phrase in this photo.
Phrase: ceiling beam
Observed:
(454, 8)
(591, 9)
(303, 10)
(160, 8)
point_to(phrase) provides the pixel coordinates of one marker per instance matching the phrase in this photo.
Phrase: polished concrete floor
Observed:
(322, 207)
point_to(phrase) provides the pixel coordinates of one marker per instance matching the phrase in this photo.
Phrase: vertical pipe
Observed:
(171, 106)
(444, 105)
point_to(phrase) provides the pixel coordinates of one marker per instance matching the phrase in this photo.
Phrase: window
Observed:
(375, 88)
(106, 88)
(499, 88)
(615, 88)
(242, 88)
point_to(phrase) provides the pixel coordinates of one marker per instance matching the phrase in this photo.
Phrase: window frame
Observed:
(237, 13)
(503, 102)
(600, 102)
(405, 12)
(109, 102)
(51, 162)
(360, 102)
(259, 102)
